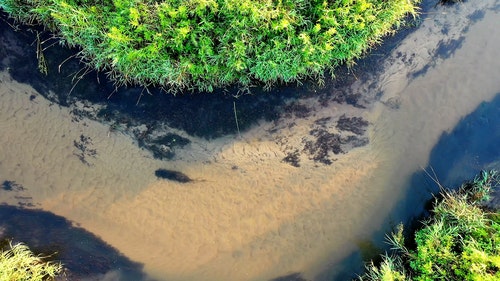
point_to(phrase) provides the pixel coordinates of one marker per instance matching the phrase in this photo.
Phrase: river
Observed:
(247, 214)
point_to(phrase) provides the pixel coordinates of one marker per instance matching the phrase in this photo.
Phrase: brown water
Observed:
(264, 218)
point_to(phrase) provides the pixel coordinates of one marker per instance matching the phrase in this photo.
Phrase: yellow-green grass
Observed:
(202, 44)
(18, 263)
(461, 240)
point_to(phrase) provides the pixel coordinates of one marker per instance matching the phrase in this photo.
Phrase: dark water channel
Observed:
(472, 144)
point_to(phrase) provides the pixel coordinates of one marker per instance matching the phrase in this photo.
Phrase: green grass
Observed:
(202, 44)
(461, 241)
(18, 263)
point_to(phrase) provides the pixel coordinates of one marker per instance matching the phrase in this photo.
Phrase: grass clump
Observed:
(19, 264)
(461, 241)
(202, 44)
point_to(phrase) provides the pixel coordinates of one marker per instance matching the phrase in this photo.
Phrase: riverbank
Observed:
(199, 46)
(457, 242)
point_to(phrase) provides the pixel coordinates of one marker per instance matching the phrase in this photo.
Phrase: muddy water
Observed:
(247, 215)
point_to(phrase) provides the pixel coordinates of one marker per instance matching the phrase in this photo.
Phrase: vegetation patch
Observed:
(202, 44)
(19, 263)
(461, 241)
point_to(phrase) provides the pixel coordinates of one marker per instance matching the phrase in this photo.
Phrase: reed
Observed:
(236, 119)
(19, 263)
(460, 241)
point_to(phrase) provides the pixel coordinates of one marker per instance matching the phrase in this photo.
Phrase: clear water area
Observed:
(430, 97)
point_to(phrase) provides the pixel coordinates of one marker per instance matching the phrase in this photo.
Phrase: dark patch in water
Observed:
(293, 158)
(12, 186)
(477, 15)
(450, 2)
(446, 49)
(290, 277)
(472, 144)
(325, 143)
(296, 109)
(163, 147)
(369, 250)
(322, 122)
(327, 137)
(354, 141)
(355, 125)
(81, 252)
(172, 175)
(421, 71)
(84, 150)
(342, 96)
(445, 29)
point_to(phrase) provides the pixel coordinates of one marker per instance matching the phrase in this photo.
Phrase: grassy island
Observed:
(202, 44)
(461, 240)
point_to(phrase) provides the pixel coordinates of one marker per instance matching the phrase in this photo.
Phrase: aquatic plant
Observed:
(460, 241)
(18, 263)
(202, 44)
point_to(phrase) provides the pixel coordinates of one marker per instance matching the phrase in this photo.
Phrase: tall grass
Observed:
(461, 241)
(202, 44)
(18, 263)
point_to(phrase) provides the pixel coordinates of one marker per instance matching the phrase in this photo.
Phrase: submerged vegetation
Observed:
(18, 263)
(461, 241)
(202, 44)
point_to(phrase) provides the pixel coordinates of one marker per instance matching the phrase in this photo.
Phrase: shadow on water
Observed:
(85, 256)
(290, 277)
(162, 123)
(211, 115)
(472, 146)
